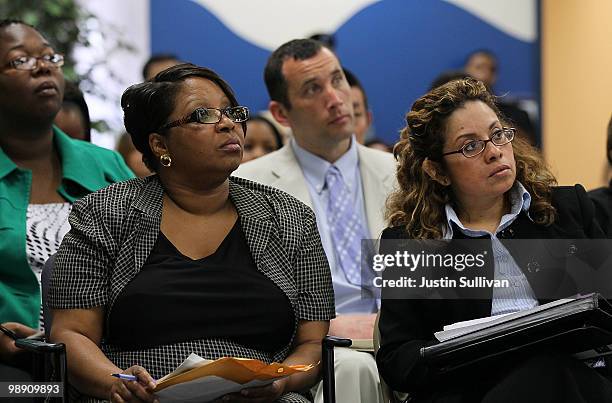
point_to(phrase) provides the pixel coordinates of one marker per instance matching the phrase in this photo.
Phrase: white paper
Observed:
(193, 361)
(203, 389)
(473, 322)
(469, 326)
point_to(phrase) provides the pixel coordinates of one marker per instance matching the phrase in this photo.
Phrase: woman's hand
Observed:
(122, 391)
(263, 394)
(8, 349)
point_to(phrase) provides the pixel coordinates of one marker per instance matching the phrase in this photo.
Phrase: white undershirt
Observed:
(46, 225)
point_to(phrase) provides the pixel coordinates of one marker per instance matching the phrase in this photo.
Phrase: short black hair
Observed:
(298, 49)
(328, 40)
(353, 81)
(147, 106)
(157, 57)
(277, 136)
(73, 98)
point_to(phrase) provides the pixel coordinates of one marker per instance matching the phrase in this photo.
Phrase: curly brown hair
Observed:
(418, 203)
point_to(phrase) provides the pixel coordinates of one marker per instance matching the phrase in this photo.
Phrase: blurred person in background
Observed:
(73, 119)
(363, 115)
(482, 64)
(284, 131)
(159, 62)
(263, 138)
(132, 157)
(42, 172)
(378, 144)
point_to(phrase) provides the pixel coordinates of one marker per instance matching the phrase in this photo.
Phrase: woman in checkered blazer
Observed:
(190, 259)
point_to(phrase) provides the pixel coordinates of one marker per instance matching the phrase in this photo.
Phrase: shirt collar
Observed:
(76, 165)
(520, 200)
(6, 164)
(315, 167)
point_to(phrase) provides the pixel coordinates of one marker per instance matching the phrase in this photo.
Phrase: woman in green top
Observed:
(42, 171)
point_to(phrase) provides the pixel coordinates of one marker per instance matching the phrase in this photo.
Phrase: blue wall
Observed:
(395, 47)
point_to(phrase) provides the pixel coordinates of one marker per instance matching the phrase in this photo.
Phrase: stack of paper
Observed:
(200, 380)
(469, 326)
(581, 326)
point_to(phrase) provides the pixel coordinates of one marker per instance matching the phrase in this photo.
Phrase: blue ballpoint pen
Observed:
(125, 377)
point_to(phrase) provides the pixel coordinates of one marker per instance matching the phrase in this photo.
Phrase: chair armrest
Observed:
(333, 341)
(329, 383)
(39, 346)
(48, 362)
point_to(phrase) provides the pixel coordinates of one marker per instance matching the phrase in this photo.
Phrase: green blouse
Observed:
(85, 169)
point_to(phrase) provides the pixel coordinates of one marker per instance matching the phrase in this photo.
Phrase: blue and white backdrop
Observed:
(395, 47)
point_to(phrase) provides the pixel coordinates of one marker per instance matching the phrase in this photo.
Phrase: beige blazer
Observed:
(281, 170)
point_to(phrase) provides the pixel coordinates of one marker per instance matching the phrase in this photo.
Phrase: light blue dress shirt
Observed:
(519, 296)
(314, 168)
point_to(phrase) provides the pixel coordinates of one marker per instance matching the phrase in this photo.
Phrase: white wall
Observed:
(576, 84)
(129, 21)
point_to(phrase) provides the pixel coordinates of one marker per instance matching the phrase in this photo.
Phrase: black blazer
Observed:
(602, 199)
(406, 325)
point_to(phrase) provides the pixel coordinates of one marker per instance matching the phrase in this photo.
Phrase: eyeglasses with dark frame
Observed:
(236, 114)
(30, 62)
(475, 147)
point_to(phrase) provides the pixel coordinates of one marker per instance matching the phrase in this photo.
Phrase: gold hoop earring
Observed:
(165, 160)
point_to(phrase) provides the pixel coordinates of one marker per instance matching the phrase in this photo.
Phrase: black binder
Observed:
(582, 324)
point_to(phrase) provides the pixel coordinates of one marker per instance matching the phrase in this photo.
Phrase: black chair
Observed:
(329, 381)
(48, 364)
(48, 359)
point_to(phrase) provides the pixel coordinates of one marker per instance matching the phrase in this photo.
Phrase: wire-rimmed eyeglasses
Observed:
(499, 137)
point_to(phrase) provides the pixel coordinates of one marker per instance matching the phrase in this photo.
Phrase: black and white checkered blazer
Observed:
(114, 229)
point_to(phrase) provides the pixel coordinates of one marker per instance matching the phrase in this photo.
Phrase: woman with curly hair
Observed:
(463, 174)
